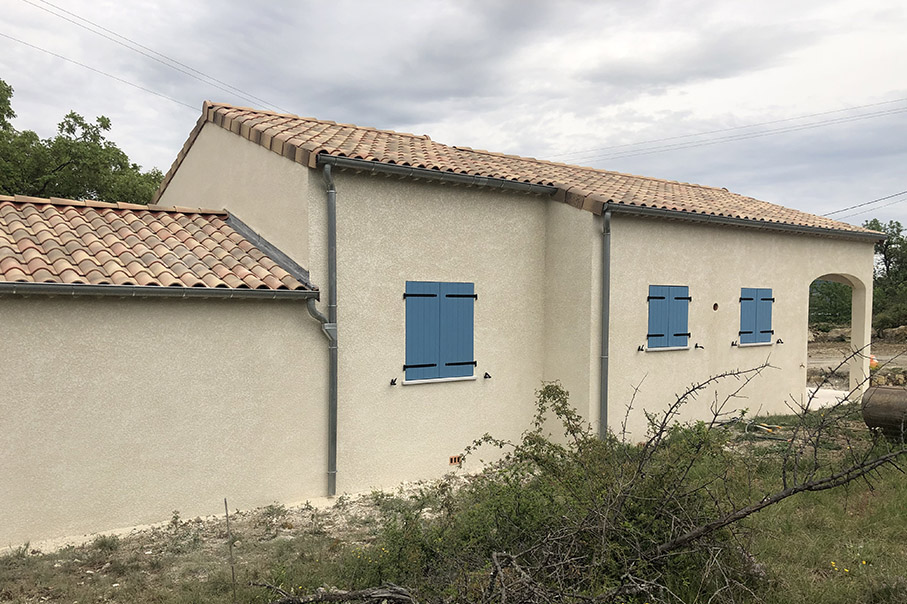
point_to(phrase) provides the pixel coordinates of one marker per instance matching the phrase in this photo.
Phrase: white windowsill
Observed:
(466, 378)
(755, 344)
(666, 348)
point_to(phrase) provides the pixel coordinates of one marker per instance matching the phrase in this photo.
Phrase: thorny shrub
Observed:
(582, 518)
(559, 518)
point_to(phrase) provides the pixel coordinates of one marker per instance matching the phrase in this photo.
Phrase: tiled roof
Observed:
(60, 241)
(302, 139)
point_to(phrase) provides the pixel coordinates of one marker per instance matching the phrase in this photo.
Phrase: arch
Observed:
(860, 327)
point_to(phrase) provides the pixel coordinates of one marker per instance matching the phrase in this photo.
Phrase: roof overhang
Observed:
(620, 208)
(376, 167)
(151, 291)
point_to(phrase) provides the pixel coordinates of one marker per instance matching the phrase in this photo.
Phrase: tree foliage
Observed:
(890, 280)
(77, 163)
(829, 303)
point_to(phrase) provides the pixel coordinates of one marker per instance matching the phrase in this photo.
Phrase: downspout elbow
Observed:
(329, 329)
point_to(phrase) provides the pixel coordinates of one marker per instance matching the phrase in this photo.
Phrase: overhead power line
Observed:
(103, 73)
(154, 55)
(866, 203)
(731, 138)
(890, 203)
(731, 129)
(684, 145)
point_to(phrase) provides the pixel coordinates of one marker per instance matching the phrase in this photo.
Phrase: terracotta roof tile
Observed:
(303, 139)
(71, 242)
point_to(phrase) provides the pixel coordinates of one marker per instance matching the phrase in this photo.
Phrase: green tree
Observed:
(829, 303)
(889, 305)
(77, 163)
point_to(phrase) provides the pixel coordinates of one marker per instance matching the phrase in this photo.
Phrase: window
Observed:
(756, 315)
(669, 307)
(439, 330)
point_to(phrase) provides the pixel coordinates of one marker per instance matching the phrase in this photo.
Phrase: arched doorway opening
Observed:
(840, 315)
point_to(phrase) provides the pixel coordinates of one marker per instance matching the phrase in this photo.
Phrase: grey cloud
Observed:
(712, 55)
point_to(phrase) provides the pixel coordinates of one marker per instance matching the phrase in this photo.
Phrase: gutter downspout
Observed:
(605, 319)
(329, 327)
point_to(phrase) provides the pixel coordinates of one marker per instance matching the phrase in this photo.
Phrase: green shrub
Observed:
(584, 517)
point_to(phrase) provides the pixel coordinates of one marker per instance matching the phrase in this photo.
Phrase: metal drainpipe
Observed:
(329, 327)
(605, 319)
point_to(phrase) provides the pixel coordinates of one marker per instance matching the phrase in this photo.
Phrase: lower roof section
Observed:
(67, 247)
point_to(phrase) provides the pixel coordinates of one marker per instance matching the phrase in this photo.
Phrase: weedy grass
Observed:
(844, 546)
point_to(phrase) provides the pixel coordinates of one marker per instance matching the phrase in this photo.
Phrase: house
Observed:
(450, 283)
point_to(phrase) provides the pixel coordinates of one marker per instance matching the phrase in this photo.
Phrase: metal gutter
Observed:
(606, 323)
(375, 167)
(152, 291)
(740, 222)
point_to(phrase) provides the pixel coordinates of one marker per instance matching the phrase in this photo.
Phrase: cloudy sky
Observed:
(799, 103)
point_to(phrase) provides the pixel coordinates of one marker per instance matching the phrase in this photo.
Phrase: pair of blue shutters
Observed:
(755, 315)
(439, 330)
(669, 309)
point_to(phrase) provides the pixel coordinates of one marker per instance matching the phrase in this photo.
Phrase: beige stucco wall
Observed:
(263, 189)
(117, 412)
(391, 231)
(573, 303)
(519, 250)
(715, 262)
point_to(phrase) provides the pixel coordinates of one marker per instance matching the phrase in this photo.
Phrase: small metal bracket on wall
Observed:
(699, 346)
(640, 348)
(779, 341)
(393, 381)
(734, 343)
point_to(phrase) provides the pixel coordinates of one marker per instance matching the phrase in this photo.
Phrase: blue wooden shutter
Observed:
(658, 316)
(456, 331)
(763, 325)
(748, 306)
(678, 315)
(423, 321)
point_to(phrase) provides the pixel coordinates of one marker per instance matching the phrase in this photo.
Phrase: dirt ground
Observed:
(827, 355)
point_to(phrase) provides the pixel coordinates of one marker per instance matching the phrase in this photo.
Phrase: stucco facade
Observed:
(715, 262)
(118, 411)
(537, 267)
(520, 252)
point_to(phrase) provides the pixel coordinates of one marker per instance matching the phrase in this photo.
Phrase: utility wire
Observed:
(731, 138)
(159, 58)
(866, 203)
(720, 130)
(103, 73)
(890, 203)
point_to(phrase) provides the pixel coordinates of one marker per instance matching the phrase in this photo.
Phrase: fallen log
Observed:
(385, 593)
(885, 408)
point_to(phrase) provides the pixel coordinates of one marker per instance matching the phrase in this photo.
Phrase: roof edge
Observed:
(270, 250)
(620, 208)
(105, 205)
(193, 134)
(26, 288)
(374, 166)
